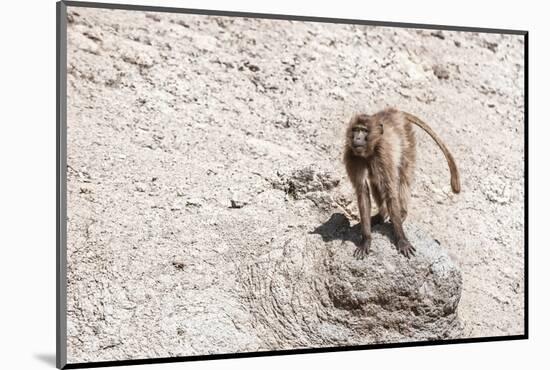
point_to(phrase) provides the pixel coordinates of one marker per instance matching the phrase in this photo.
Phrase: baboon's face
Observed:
(363, 135)
(359, 134)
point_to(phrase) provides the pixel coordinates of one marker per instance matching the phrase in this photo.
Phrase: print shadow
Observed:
(46, 358)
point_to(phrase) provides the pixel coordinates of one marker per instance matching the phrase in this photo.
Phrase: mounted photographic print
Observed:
(235, 184)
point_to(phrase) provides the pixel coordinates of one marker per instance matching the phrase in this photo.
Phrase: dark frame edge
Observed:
(223, 356)
(227, 13)
(61, 183)
(526, 184)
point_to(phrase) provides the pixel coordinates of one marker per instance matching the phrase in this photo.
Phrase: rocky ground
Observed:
(208, 209)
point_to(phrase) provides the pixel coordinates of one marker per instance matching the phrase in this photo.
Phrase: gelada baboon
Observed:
(380, 156)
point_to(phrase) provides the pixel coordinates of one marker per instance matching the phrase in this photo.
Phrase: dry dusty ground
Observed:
(182, 130)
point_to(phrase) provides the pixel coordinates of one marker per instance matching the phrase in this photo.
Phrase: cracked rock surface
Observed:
(208, 207)
(305, 293)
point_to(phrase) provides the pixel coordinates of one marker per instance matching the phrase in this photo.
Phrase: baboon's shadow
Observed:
(338, 227)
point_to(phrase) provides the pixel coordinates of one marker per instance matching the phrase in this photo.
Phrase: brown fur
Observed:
(380, 156)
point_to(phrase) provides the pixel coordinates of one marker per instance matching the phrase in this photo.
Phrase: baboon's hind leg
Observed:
(405, 177)
(394, 202)
(404, 198)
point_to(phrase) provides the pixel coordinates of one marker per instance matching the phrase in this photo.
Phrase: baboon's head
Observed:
(363, 134)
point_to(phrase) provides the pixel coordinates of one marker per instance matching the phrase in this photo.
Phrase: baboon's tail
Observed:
(455, 178)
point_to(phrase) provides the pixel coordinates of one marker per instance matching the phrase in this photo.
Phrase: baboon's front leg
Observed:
(363, 201)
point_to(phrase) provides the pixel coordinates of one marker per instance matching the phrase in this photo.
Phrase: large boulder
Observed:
(310, 291)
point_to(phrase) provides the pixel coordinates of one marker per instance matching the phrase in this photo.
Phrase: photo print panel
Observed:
(237, 184)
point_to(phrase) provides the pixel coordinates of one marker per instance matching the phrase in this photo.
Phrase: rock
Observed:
(310, 291)
(239, 199)
(237, 203)
(413, 70)
(177, 206)
(438, 34)
(491, 46)
(154, 16)
(93, 35)
(178, 264)
(322, 200)
(141, 187)
(251, 67)
(305, 180)
(182, 23)
(441, 72)
(137, 53)
(338, 93)
(84, 43)
(71, 15)
(496, 190)
(85, 190)
(193, 202)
